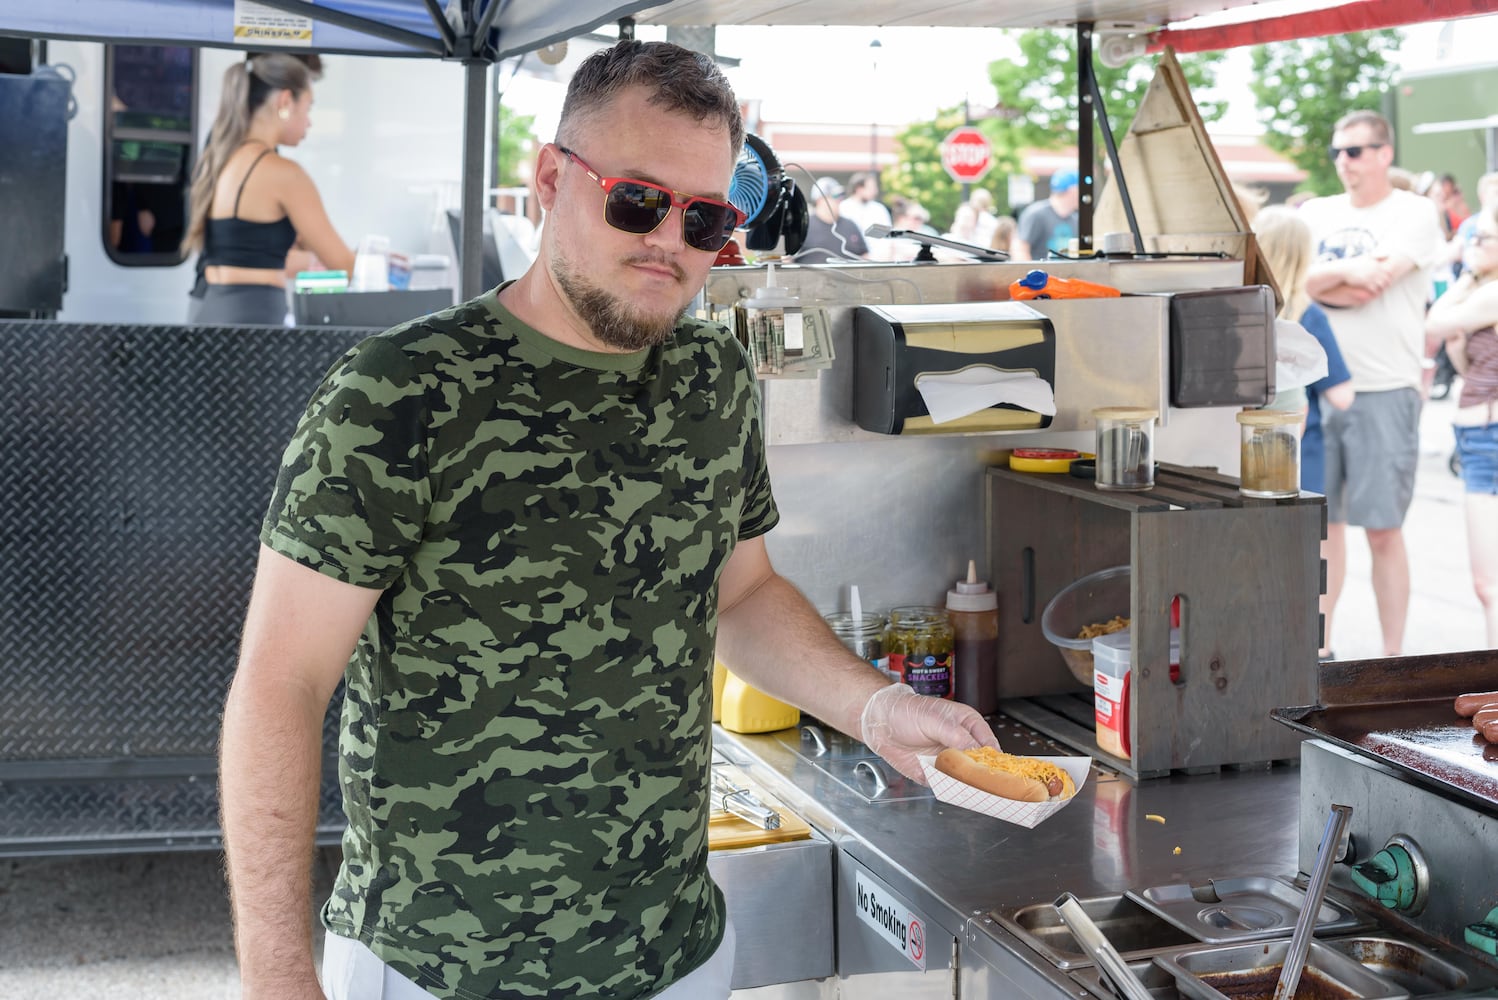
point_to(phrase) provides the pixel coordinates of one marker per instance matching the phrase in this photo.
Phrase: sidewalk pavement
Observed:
(156, 926)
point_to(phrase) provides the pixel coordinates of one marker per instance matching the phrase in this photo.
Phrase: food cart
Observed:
(138, 463)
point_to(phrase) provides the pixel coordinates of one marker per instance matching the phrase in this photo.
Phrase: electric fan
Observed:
(774, 206)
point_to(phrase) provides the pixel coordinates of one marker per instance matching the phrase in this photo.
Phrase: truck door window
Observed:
(150, 122)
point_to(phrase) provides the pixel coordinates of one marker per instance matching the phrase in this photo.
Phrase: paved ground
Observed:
(156, 927)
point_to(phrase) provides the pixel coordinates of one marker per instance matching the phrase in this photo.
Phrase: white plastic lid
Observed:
(1112, 653)
(972, 594)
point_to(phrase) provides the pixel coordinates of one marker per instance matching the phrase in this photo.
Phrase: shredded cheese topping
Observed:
(1028, 767)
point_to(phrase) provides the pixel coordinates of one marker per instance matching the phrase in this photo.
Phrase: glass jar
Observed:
(863, 633)
(918, 642)
(1125, 447)
(1270, 461)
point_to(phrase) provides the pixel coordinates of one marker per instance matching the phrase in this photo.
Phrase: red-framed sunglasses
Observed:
(640, 207)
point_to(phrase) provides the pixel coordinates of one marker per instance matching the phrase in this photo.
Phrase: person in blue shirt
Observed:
(1285, 240)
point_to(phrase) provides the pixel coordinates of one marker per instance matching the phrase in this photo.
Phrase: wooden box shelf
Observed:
(1248, 574)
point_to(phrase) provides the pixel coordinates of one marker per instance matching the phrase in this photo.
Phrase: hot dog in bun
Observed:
(1023, 779)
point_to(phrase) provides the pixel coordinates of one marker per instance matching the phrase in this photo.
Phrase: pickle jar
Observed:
(863, 633)
(918, 642)
(1270, 460)
(1125, 447)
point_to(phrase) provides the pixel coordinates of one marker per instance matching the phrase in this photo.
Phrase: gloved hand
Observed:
(899, 725)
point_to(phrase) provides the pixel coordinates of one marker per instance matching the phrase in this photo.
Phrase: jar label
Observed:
(929, 674)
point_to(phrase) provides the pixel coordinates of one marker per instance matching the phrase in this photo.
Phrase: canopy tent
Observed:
(475, 32)
(353, 27)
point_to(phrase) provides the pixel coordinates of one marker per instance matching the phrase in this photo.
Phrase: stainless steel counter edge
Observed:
(1112, 837)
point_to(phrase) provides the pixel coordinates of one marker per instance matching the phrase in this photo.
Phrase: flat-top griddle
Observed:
(1398, 710)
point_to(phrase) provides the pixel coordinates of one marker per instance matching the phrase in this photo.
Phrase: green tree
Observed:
(517, 142)
(1037, 108)
(1302, 87)
(1037, 92)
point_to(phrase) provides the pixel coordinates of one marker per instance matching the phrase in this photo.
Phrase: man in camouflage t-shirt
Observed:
(518, 529)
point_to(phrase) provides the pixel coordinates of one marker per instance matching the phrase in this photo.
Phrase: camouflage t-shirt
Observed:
(525, 733)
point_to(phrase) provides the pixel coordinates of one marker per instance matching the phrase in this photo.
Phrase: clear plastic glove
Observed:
(900, 725)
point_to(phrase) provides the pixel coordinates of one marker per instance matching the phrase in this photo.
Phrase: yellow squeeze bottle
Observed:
(720, 677)
(747, 710)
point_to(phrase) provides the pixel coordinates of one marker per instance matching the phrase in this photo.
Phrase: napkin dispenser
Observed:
(896, 347)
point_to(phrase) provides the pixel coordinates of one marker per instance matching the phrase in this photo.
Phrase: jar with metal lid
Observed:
(864, 634)
(1125, 447)
(1270, 465)
(919, 644)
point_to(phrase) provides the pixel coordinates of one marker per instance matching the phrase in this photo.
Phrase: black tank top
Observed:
(235, 242)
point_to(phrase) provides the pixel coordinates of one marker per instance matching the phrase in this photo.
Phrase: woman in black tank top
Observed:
(255, 217)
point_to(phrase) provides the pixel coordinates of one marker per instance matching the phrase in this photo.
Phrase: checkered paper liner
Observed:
(1027, 814)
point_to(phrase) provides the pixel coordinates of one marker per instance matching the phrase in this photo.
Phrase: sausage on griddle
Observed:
(1468, 704)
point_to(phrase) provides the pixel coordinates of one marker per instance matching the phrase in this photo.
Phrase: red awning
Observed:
(1365, 15)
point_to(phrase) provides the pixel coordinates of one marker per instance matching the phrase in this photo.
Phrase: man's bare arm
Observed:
(299, 632)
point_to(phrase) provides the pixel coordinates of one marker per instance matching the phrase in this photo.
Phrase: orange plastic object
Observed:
(1040, 285)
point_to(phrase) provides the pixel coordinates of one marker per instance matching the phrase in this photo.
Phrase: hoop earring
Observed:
(284, 115)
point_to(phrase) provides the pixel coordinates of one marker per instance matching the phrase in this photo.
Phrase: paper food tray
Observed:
(1027, 814)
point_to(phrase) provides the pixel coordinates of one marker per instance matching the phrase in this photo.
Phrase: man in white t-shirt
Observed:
(863, 208)
(1373, 246)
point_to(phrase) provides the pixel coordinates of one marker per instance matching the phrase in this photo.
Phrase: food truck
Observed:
(140, 452)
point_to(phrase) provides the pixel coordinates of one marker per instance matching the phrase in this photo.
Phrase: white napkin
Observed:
(950, 395)
(1299, 357)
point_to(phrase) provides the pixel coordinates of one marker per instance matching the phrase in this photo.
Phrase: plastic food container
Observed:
(1091, 600)
(1113, 660)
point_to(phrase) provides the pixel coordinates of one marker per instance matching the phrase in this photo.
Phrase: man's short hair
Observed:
(1375, 121)
(680, 81)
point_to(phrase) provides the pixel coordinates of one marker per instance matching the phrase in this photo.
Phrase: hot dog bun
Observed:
(1023, 779)
(1468, 704)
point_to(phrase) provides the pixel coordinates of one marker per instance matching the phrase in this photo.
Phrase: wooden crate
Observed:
(1248, 573)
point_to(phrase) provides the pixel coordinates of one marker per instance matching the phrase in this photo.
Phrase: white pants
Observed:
(350, 971)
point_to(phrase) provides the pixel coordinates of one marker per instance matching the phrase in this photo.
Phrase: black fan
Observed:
(774, 206)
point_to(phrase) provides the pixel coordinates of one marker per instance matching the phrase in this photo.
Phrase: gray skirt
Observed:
(239, 305)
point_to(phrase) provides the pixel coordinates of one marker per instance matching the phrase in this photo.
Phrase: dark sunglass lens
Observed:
(636, 208)
(707, 225)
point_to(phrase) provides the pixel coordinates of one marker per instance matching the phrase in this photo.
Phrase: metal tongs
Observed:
(1114, 970)
(741, 802)
(1305, 924)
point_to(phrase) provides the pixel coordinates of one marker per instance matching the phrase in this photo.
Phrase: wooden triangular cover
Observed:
(1181, 195)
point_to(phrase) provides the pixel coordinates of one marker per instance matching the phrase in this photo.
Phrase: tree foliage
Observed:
(1303, 86)
(517, 141)
(1037, 93)
(1037, 108)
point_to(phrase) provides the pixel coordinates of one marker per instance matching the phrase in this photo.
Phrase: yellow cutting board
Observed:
(725, 830)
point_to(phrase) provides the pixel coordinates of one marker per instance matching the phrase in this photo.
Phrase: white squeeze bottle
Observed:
(775, 325)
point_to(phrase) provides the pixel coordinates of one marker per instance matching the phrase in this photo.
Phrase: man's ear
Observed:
(548, 177)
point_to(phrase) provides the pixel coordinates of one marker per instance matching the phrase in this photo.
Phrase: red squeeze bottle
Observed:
(1040, 285)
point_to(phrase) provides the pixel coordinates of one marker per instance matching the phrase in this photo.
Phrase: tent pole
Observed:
(475, 103)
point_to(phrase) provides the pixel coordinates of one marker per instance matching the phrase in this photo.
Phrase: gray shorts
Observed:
(1372, 449)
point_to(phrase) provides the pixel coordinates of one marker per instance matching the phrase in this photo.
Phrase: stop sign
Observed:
(966, 154)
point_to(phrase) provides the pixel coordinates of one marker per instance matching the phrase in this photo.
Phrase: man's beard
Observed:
(613, 320)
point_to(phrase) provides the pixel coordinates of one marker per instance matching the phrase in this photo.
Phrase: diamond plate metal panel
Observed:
(135, 466)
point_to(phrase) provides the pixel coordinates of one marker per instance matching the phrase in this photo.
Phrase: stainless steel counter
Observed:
(957, 867)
